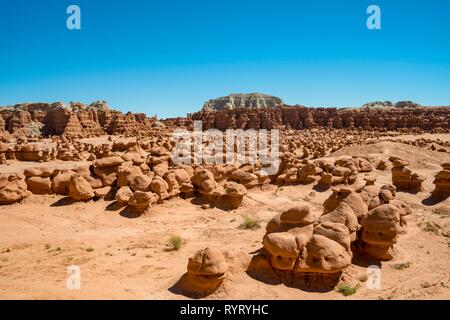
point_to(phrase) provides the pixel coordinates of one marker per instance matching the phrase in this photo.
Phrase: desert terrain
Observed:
(91, 187)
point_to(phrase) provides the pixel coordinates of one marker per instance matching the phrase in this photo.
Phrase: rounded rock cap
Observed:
(207, 262)
(298, 214)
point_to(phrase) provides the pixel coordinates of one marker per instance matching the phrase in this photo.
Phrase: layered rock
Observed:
(380, 230)
(252, 100)
(206, 270)
(442, 182)
(403, 178)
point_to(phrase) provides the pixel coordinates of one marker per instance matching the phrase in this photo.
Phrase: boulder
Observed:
(12, 188)
(80, 189)
(39, 185)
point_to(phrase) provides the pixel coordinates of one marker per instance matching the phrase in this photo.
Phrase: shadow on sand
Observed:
(434, 199)
(66, 201)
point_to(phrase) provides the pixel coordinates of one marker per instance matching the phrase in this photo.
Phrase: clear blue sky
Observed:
(169, 56)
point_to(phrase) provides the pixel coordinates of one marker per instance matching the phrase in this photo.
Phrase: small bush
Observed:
(401, 266)
(175, 243)
(431, 227)
(250, 223)
(363, 278)
(90, 249)
(346, 289)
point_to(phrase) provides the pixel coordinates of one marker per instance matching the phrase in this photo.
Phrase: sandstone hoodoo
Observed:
(442, 182)
(206, 271)
(380, 230)
(403, 178)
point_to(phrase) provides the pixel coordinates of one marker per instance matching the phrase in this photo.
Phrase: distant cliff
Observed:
(76, 119)
(251, 100)
(298, 117)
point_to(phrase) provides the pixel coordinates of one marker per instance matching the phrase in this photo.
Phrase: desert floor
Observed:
(122, 257)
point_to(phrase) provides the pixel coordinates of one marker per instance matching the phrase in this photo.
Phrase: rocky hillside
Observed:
(75, 119)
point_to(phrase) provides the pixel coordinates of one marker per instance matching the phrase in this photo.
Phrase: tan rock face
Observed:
(12, 188)
(80, 189)
(323, 255)
(39, 185)
(123, 195)
(140, 200)
(60, 183)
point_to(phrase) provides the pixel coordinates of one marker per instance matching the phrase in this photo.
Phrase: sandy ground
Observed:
(122, 257)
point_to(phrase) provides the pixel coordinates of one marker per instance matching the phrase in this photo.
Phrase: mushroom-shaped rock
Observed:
(233, 195)
(79, 188)
(207, 262)
(380, 230)
(283, 250)
(123, 195)
(140, 200)
(403, 178)
(206, 270)
(442, 182)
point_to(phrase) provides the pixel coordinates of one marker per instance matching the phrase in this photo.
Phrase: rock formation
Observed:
(403, 178)
(206, 271)
(442, 182)
(252, 100)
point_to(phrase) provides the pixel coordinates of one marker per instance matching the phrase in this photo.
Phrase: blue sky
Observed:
(167, 57)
